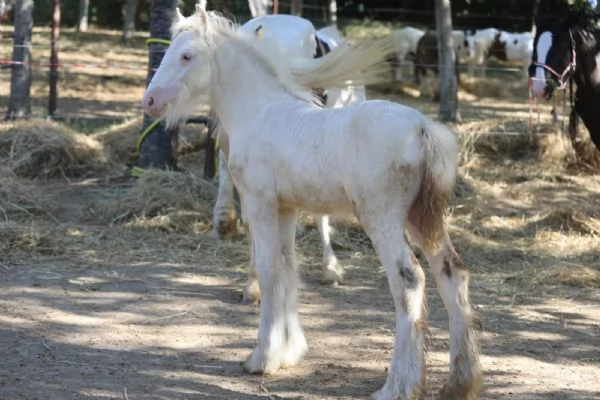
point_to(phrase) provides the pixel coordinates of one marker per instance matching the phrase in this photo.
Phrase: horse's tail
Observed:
(364, 61)
(441, 161)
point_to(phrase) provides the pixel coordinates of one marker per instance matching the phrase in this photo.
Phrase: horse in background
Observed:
(427, 59)
(568, 48)
(5, 10)
(513, 48)
(405, 42)
(294, 36)
(479, 44)
(390, 165)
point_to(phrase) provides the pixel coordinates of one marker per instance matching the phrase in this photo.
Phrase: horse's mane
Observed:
(585, 22)
(269, 61)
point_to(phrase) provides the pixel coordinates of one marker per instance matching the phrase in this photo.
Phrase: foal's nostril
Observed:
(151, 102)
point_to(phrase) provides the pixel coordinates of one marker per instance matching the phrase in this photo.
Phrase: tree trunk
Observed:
(296, 8)
(84, 9)
(19, 104)
(448, 78)
(158, 150)
(258, 7)
(129, 20)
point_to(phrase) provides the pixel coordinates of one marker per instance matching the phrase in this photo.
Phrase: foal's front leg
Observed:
(281, 341)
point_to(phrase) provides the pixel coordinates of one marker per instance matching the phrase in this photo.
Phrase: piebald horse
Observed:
(564, 49)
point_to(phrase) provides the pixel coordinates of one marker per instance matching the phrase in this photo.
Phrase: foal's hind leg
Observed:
(452, 277)
(281, 341)
(224, 214)
(251, 293)
(332, 270)
(406, 374)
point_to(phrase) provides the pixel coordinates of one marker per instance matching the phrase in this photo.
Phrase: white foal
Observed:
(388, 164)
(296, 36)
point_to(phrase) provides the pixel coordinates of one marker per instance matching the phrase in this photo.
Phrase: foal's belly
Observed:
(320, 198)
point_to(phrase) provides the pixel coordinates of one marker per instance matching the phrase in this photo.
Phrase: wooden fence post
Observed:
(52, 98)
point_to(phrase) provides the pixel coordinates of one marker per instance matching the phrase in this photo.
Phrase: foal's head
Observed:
(557, 47)
(184, 74)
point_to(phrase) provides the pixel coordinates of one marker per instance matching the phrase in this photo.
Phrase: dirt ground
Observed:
(113, 289)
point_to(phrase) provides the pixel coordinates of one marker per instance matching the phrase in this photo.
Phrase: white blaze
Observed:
(543, 46)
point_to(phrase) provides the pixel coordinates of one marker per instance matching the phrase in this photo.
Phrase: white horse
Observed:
(297, 37)
(388, 164)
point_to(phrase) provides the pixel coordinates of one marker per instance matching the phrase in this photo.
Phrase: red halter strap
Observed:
(562, 78)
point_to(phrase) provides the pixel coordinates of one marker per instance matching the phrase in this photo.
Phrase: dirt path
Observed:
(147, 325)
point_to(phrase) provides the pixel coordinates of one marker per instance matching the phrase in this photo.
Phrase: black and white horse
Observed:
(569, 48)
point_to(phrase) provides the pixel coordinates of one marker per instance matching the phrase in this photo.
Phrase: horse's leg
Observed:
(295, 345)
(424, 89)
(224, 214)
(332, 270)
(251, 293)
(279, 335)
(406, 374)
(452, 278)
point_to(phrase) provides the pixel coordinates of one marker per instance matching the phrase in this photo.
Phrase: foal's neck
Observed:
(243, 84)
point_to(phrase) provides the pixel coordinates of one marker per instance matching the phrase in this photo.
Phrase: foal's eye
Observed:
(186, 57)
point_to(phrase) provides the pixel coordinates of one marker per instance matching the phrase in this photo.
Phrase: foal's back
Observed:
(316, 154)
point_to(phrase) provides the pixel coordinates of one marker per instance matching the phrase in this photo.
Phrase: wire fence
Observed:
(113, 69)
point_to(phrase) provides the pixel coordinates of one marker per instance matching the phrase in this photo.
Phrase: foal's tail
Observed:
(364, 61)
(441, 161)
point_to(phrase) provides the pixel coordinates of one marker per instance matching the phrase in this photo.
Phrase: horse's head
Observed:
(184, 74)
(556, 45)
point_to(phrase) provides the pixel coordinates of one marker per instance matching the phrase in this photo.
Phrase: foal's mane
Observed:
(277, 67)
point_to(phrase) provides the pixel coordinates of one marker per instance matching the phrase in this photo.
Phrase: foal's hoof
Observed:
(468, 390)
(251, 293)
(333, 273)
(257, 363)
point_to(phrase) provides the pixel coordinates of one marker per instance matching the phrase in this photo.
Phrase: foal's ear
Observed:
(178, 15)
(202, 15)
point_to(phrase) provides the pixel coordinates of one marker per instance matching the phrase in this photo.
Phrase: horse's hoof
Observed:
(251, 293)
(333, 273)
(257, 364)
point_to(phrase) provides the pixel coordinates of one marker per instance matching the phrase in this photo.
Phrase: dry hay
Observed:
(563, 274)
(20, 198)
(579, 221)
(557, 151)
(588, 155)
(21, 242)
(498, 139)
(484, 87)
(49, 149)
(120, 141)
(160, 200)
